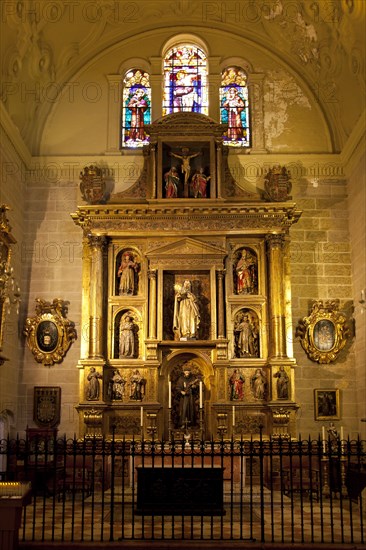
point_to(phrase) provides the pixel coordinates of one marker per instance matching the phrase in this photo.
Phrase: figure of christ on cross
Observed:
(186, 165)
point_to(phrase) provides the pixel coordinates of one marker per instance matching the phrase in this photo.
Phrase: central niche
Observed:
(176, 286)
(186, 170)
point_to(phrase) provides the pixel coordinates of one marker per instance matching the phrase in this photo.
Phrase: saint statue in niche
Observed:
(246, 335)
(127, 337)
(246, 273)
(187, 391)
(186, 317)
(282, 383)
(127, 274)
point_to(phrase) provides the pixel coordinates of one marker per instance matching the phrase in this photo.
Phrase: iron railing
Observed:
(266, 490)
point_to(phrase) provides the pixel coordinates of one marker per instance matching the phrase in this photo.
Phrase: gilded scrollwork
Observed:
(49, 333)
(323, 334)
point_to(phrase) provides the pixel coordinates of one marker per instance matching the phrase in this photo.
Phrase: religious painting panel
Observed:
(326, 404)
(245, 271)
(246, 334)
(186, 305)
(323, 334)
(186, 170)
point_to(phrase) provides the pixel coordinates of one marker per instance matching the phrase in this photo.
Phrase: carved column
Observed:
(221, 304)
(152, 304)
(275, 250)
(96, 245)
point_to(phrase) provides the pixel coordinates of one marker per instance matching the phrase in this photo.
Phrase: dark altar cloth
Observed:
(180, 491)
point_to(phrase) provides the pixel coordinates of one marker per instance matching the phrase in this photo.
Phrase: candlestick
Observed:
(142, 417)
(233, 415)
(323, 438)
(201, 400)
(341, 438)
(170, 393)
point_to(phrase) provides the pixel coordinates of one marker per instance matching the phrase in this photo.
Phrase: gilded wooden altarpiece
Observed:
(6, 242)
(229, 246)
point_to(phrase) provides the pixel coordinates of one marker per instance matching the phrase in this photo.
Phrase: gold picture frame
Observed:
(323, 334)
(326, 404)
(50, 334)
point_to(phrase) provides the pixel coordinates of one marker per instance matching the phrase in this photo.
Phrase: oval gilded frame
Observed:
(49, 334)
(323, 334)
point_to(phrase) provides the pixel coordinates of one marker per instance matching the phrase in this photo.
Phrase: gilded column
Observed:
(221, 304)
(152, 304)
(275, 251)
(96, 245)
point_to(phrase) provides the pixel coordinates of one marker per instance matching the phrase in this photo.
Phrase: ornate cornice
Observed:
(159, 217)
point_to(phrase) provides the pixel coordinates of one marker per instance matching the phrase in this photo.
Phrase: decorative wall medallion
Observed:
(49, 334)
(323, 334)
(47, 403)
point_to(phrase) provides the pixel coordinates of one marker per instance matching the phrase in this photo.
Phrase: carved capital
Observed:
(152, 274)
(275, 241)
(97, 242)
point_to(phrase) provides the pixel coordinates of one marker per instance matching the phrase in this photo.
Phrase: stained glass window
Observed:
(185, 80)
(136, 108)
(234, 107)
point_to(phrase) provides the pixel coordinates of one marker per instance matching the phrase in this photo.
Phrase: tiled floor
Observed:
(284, 520)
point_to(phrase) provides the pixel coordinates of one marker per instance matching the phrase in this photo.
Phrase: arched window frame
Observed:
(136, 108)
(235, 106)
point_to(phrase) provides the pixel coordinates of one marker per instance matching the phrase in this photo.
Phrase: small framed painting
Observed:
(326, 404)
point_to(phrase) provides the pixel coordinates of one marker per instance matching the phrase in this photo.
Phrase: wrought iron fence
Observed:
(265, 490)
